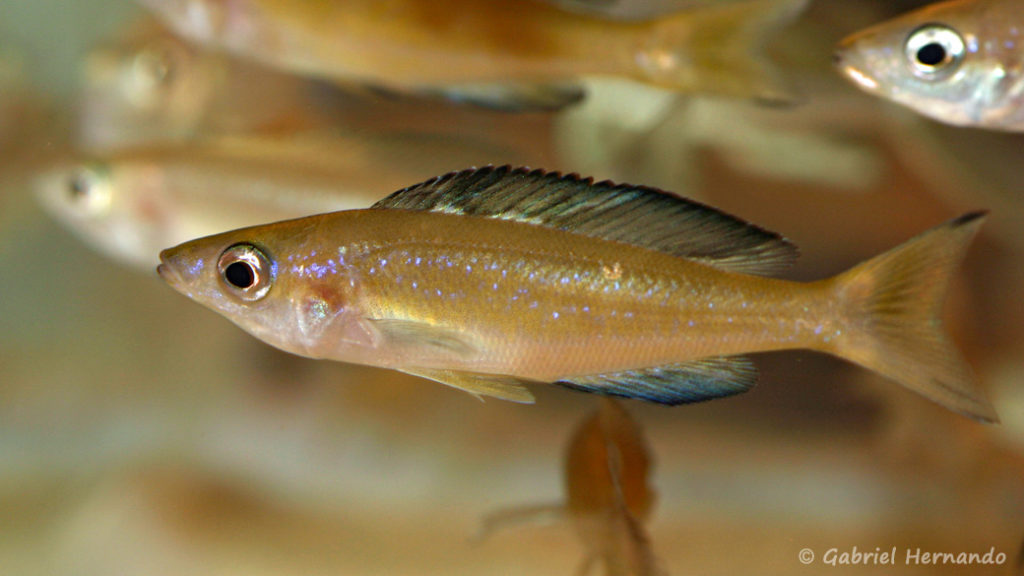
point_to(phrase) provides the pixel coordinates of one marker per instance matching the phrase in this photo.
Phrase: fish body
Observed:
(484, 51)
(636, 9)
(147, 85)
(133, 202)
(957, 62)
(489, 278)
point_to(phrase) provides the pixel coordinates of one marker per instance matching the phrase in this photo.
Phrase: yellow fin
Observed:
(893, 325)
(719, 50)
(493, 385)
(427, 338)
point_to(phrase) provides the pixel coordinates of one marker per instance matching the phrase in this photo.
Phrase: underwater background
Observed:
(142, 434)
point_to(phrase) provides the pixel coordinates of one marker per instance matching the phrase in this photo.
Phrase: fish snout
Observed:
(853, 61)
(175, 269)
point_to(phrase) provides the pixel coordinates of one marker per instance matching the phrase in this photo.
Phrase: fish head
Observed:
(149, 88)
(269, 282)
(951, 61)
(107, 207)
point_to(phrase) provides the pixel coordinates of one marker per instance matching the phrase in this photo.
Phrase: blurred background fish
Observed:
(955, 62)
(483, 52)
(635, 9)
(133, 202)
(608, 497)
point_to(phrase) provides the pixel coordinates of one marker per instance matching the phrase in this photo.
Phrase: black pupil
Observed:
(931, 54)
(79, 186)
(240, 274)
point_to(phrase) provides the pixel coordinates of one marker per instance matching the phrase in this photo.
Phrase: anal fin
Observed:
(673, 384)
(515, 97)
(477, 384)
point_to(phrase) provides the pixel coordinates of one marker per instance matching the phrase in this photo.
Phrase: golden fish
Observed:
(132, 203)
(956, 62)
(482, 51)
(607, 494)
(487, 279)
(636, 9)
(147, 85)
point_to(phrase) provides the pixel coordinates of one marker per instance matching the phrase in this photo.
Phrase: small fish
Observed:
(147, 85)
(490, 278)
(608, 497)
(636, 9)
(134, 202)
(956, 62)
(484, 52)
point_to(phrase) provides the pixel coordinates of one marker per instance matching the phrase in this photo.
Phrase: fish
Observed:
(481, 52)
(490, 279)
(608, 495)
(131, 203)
(147, 85)
(636, 9)
(955, 62)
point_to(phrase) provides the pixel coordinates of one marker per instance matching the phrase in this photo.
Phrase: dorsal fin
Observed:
(635, 215)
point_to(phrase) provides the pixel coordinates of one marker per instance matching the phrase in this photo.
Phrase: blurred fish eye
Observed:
(245, 271)
(154, 65)
(88, 187)
(934, 51)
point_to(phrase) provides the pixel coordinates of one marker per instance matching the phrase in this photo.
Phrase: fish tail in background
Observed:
(719, 50)
(893, 304)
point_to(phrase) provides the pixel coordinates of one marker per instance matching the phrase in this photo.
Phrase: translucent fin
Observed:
(723, 47)
(515, 97)
(635, 215)
(495, 386)
(674, 384)
(894, 303)
(538, 514)
(406, 334)
(629, 551)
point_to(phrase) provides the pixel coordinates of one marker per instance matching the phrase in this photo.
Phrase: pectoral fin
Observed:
(493, 385)
(523, 515)
(673, 384)
(419, 339)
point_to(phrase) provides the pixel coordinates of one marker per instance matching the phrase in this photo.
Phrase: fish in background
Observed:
(131, 203)
(956, 62)
(489, 279)
(636, 9)
(608, 495)
(527, 57)
(147, 85)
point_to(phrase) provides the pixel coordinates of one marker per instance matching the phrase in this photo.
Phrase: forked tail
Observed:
(718, 49)
(893, 306)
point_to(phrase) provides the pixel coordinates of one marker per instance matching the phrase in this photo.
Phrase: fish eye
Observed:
(89, 188)
(245, 271)
(934, 51)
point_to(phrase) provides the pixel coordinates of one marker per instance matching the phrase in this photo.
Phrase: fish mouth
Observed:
(848, 58)
(169, 272)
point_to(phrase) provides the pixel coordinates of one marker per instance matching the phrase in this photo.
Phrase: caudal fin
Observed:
(718, 50)
(893, 305)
